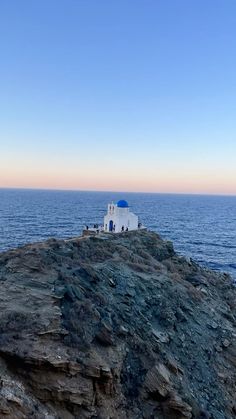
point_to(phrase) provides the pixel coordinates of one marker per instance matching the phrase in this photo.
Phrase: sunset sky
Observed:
(121, 95)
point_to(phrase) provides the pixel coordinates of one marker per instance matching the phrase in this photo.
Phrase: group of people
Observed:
(95, 227)
(127, 229)
(123, 228)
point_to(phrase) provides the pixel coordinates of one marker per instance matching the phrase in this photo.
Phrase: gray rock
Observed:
(114, 326)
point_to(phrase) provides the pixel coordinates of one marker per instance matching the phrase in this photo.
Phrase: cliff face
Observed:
(114, 326)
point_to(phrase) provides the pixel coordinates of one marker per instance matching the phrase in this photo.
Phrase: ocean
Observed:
(201, 227)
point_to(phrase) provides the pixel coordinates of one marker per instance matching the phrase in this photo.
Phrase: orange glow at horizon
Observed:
(156, 182)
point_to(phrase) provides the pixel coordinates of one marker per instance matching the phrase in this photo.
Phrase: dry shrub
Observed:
(170, 265)
(194, 293)
(140, 267)
(176, 277)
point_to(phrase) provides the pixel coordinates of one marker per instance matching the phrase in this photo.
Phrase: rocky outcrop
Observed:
(114, 326)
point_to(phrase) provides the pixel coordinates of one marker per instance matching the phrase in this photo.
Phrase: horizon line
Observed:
(120, 191)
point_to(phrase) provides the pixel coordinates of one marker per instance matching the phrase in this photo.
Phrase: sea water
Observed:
(201, 227)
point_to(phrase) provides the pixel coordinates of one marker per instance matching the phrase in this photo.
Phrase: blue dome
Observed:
(122, 204)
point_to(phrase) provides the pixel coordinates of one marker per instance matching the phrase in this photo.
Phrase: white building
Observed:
(119, 218)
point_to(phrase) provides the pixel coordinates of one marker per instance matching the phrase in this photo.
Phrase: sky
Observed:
(119, 95)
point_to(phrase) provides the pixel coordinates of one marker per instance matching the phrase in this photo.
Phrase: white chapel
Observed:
(119, 218)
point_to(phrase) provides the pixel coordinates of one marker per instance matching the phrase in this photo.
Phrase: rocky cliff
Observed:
(114, 326)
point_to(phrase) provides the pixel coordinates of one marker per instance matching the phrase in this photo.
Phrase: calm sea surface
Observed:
(201, 227)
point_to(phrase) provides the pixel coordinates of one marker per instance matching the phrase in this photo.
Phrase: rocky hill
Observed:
(114, 326)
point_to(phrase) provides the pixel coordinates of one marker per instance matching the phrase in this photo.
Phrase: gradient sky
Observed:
(129, 95)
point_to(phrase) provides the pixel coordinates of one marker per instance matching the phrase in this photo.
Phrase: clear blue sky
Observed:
(118, 94)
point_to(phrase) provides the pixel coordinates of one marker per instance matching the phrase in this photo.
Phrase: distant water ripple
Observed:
(201, 227)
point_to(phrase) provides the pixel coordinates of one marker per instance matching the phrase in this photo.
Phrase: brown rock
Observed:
(177, 408)
(157, 382)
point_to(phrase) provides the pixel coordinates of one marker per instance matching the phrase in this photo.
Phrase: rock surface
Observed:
(114, 326)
